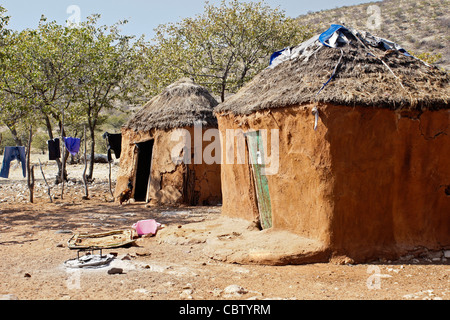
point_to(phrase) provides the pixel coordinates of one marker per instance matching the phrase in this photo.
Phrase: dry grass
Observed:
(361, 79)
(181, 104)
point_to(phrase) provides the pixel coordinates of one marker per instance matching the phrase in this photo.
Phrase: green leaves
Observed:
(87, 69)
(56, 68)
(224, 47)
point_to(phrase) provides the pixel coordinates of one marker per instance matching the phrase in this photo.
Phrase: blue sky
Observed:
(143, 16)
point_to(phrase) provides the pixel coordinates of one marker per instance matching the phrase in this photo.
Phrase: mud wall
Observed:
(168, 178)
(300, 191)
(391, 171)
(368, 182)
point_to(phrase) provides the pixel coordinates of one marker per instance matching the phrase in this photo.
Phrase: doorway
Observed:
(256, 163)
(144, 163)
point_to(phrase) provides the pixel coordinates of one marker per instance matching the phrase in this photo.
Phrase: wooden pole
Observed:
(30, 169)
(48, 186)
(86, 190)
(109, 163)
(63, 156)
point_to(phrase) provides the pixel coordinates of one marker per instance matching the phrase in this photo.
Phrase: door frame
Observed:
(137, 151)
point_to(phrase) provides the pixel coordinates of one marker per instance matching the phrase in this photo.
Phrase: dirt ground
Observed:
(33, 249)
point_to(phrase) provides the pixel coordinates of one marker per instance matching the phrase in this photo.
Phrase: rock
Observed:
(143, 291)
(8, 297)
(143, 253)
(234, 291)
(435, 255)
(129, 214)
(63, 232)
(187, 286)
(186, 294)
(27, 275)
(115, 271)
(217, 292)
(447, 254)
(98, 158)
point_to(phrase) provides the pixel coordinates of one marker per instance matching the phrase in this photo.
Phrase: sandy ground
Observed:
(33, 250)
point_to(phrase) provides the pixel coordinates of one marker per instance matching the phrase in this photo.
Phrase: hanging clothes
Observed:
(72, 145)
(114, 143)
(54, 151)
(10, 154)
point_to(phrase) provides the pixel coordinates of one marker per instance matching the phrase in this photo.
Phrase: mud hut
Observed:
(162, 146)
(344, 139)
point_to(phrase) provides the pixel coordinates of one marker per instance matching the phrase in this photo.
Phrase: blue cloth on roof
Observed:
(324, 37)
(336, 36)
(10, 154)
(275, 55)
(72, 145)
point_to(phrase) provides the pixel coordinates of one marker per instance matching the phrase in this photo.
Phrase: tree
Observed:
(107, 74)
(14, 114)
(4, 19)
(224, 47)
(39, 70)
(67, 75)
(428, 57)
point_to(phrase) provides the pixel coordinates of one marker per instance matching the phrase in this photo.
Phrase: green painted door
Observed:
(256, 154)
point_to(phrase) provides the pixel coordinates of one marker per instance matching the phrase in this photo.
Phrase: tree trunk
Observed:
(16, 138)
(91, 163)
(58, 161)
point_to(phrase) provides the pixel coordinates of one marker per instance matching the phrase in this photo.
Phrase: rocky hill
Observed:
(419, 26)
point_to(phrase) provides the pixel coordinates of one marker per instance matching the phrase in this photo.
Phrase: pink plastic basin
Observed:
(145, 227)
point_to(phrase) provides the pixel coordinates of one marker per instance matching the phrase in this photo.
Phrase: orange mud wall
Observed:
(369, 182)
(169, 181)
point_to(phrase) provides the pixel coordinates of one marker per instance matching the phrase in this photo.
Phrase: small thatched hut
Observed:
(358, 144)
(161, 145)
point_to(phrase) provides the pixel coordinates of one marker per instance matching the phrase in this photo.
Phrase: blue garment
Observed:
(72, 145)
(10, 154)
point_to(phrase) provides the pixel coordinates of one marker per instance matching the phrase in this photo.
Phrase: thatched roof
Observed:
(361, 78)
(182, 104)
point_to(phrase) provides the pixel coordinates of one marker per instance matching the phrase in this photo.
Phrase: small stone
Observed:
(187, 286)
(447, 253)
(186, 294)
(234, 290)
(27, 275)
(8, 297)
(63, 232)
(435, 255)
(143, 253)
(115, 271)
(216, 292)
(144, 291)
